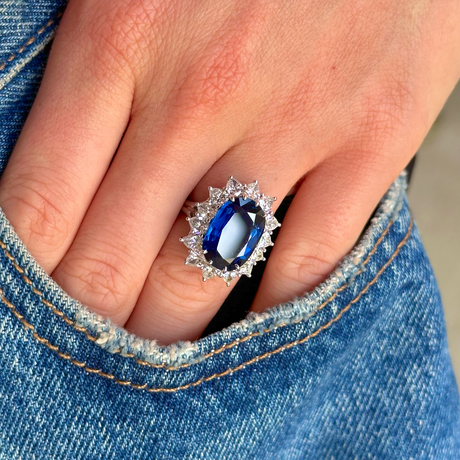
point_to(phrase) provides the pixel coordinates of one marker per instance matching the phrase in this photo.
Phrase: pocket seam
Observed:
(145, 386)
(29, 42)
(212, 353)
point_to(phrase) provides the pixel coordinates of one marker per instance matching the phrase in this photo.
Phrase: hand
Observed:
(145, 103)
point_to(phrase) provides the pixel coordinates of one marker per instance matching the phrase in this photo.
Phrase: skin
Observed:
(146, 103)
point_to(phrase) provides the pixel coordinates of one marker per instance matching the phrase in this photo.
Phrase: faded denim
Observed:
(357, 369)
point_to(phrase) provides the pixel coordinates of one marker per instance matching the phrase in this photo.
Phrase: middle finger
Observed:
(132, 213)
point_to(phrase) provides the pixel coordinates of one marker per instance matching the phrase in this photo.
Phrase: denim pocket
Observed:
(21, 48)
(358, 368)
(65, 326)
(361, 361)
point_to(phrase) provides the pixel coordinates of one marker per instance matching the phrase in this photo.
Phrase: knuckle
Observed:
(307, 268)
(386, 110)
(99, 281)
(120, 34)
(297, 106)
(39, 205)
(183, 286)
(216, 77)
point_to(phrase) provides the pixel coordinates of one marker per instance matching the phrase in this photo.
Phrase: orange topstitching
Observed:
(145, 386)
(30, 41)
(211, 353)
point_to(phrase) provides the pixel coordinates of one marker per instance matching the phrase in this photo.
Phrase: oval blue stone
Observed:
(233, 233)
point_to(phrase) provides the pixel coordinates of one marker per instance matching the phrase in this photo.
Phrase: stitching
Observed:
(82, 364)
(30, 41)
(207, 355)
(213, 352)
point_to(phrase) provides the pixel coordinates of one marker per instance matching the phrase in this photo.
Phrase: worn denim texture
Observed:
(357, 369)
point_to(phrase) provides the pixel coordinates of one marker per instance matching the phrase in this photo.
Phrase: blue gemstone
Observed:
(233, 233)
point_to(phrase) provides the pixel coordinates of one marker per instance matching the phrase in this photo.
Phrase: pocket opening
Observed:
(181, 355)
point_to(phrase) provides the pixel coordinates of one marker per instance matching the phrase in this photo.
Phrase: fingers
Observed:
(63, 152)
(175, 303)
(152, 174)
(69, 141)
(323, 223)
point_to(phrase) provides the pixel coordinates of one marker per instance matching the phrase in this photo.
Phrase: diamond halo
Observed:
(201, 215)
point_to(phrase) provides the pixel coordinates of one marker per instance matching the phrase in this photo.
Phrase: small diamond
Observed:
(228, 277)
(195, 223)
(214, 194)
(190, 241)
(259, 255)
(252, 190)
(202, 210)
(266, 202)
(266, 240)
(272, 223)
(208, 273)
(246, 269)
(233, 186)
(193, 260)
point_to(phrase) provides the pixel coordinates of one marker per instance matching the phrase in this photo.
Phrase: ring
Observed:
(230, 231)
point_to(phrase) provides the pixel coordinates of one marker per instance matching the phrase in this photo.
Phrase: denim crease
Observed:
(359, 368)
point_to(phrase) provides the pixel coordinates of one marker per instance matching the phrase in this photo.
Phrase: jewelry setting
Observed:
(230, 231)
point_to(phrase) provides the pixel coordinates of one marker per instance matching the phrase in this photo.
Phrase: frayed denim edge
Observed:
(115, 339)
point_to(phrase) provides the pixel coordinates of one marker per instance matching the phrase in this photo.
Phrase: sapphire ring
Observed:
(230, 231)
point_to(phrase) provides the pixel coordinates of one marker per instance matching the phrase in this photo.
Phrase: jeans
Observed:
(359, 368)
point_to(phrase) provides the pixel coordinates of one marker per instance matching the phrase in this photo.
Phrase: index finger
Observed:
(65, 147)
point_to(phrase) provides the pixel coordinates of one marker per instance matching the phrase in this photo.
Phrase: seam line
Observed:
(221, 349)
(145, 386)
(29, 42)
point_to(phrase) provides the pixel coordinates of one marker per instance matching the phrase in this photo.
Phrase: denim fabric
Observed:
(357, 369)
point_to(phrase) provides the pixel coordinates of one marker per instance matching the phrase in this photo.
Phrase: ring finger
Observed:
(175, 303)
